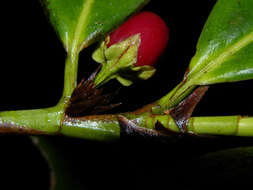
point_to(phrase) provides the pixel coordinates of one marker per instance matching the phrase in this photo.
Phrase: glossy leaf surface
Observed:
(79, 22)
(225, 48)
(224, 51)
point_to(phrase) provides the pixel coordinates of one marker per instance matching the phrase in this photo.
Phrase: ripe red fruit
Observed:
(154, 35)
(131, 50)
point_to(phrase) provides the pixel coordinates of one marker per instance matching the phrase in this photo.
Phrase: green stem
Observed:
(70, 77)
(37, 121)
(228, 125)
(102, 128)
(173, 98)
(106, 127)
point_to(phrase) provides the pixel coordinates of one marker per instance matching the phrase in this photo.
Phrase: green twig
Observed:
(173, 98)
(106, 127)
(70, 77)
(37, 121)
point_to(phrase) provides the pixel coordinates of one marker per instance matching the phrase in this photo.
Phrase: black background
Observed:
(31, 76)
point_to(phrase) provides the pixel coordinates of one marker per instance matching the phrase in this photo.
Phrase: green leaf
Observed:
(78, 23)
(224, 51)
(225, 47)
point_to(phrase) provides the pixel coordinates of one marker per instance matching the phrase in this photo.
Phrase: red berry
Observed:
(154, 35)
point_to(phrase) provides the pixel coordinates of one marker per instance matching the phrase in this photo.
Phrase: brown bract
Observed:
(86, 99)
(182, 113)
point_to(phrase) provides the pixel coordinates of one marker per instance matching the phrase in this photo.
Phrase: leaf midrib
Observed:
(81, 24)
(223, 57)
